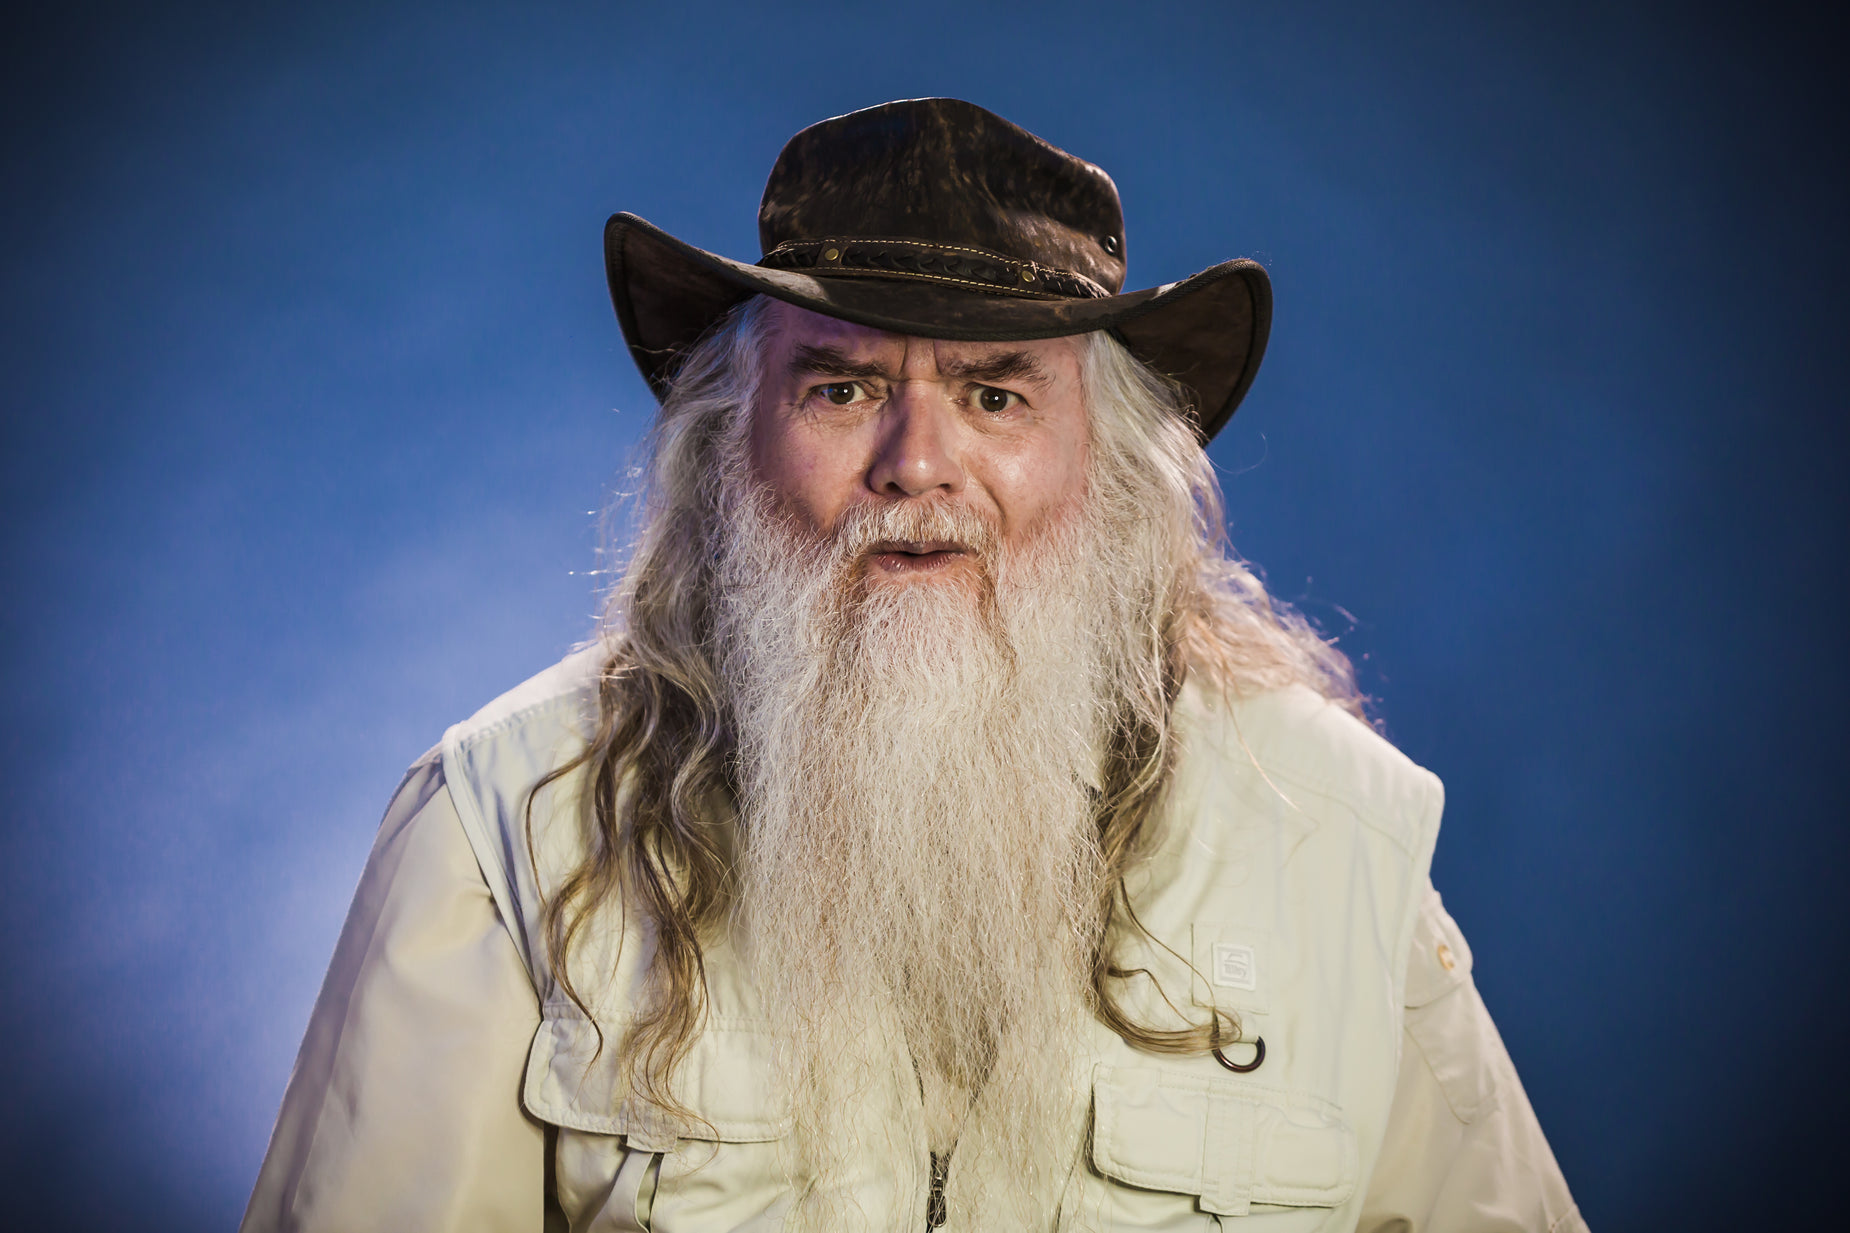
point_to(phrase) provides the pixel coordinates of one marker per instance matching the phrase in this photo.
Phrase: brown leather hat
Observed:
(936, 218)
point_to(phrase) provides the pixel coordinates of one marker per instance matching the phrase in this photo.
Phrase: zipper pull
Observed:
(934, 1208)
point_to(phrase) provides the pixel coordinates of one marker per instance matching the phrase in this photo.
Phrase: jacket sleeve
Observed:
(1463, 1151)
(403, 1111)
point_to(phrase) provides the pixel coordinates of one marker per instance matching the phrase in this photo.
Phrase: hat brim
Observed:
(1208, 332)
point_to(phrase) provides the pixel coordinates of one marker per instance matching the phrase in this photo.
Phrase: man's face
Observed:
(850, 416)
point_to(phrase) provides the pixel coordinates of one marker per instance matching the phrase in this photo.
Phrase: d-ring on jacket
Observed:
(447, 1083)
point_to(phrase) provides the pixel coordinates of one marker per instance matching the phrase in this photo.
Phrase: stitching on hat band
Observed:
(945, 263)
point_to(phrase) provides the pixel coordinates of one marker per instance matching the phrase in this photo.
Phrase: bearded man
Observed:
(945, 829)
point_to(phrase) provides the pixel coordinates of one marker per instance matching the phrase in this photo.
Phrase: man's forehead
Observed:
(797, 331)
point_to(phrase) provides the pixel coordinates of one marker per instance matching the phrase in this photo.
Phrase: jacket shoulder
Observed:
(494, 763)
(496, 757)
(566, 687)
(1296, 744)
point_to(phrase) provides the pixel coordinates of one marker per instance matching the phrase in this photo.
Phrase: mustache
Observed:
(935, 525)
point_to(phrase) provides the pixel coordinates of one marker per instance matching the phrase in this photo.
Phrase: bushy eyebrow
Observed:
(1000, 366)
(824, 360)
(827, 361)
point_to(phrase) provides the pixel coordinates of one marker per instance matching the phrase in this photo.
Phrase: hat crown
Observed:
(945, 172)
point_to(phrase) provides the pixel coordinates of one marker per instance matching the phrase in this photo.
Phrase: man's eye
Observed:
(991, 399)
(841, 393)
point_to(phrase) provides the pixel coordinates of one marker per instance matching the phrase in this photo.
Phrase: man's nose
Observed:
(917, 451)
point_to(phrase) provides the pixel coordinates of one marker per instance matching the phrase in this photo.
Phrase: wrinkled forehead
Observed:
(794, 332)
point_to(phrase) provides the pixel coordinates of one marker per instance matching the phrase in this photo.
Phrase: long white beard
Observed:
(917, 766)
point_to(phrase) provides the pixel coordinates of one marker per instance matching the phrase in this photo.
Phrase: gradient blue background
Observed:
(311, 379)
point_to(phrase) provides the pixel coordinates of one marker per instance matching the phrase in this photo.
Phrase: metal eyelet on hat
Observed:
(1111, 244)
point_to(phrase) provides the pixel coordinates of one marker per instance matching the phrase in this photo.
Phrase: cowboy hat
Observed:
(936, 218)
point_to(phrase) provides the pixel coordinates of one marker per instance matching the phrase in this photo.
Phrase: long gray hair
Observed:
(658, 767)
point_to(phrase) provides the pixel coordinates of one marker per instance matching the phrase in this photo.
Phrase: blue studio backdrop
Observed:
(311, 388)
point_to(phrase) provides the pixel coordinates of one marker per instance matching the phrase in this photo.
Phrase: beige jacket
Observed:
(445, 1083)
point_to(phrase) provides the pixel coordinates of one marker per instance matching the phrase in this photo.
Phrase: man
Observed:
(946, 830)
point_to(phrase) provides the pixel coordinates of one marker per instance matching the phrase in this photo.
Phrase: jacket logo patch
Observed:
(1234, 967)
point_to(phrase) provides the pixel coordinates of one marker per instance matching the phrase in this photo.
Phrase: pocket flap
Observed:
(1229, 1142)
(725, 1081)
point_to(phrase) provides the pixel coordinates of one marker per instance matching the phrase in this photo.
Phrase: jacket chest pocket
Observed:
(622, 1166)
(1175, 1151)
